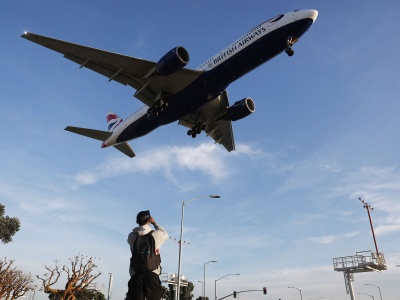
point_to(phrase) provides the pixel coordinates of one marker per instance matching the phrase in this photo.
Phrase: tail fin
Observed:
(101, 136)
(113, 120)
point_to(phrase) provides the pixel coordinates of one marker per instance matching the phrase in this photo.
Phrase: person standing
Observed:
(145, 267)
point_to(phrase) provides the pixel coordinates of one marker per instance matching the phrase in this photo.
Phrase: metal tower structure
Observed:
(363, 261)
(172, 279)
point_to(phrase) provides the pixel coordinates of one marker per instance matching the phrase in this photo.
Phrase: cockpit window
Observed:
(276, 19)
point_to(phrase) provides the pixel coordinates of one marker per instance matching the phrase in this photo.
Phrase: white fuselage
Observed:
(254, 35)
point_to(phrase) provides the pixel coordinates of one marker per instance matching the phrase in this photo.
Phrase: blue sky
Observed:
(325, 132)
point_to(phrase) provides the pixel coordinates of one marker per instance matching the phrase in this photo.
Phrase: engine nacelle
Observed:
(240, 109)
(172, 62)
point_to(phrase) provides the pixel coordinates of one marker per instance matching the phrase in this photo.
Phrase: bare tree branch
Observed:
(79, 277)
(14, 282)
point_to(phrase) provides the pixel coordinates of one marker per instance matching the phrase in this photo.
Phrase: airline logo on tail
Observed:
(113, 121)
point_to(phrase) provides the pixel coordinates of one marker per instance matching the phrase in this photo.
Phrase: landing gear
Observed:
(289, 43)
(192, 133)
(289, 51)
(196, 129)
(158, 107)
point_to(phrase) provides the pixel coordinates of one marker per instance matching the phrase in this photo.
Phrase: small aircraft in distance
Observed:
(171, 92)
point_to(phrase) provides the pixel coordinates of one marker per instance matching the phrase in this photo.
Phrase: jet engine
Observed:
(240, 109)
(172, 62)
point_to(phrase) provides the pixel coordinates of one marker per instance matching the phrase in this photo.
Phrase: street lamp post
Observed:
(202, 296)
(109, 286)
(292, 287)
(380, 295)
(204, 286)
(367, 295)
(219, 279)
(180, 240)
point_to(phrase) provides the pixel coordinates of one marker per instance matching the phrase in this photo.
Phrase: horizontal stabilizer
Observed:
(126, 149)
(91, 133)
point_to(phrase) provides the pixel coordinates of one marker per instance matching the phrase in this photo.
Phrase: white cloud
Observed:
(329, 239)
(345, 213)
(350, 234)
(310, 172)
(40, 206)
(85, 178)
(307, 219)
(209, 159)
(332, 167)
(33, 201)
(380, 188)
(384, 229)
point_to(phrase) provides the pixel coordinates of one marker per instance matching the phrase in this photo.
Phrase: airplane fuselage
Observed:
(247, 53)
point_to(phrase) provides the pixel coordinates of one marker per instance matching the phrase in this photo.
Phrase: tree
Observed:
(8, 226)
(166, 294)
(87, 294)
(79, 277)
(186, 292)
(14, 282)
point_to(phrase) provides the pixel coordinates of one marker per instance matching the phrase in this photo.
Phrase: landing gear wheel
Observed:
(158, 107)
(196, 129)
(289, 43)
(153, 111)
(289, 51)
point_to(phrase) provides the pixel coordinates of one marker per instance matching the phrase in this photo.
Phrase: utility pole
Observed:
(368, 207)
(109, 286)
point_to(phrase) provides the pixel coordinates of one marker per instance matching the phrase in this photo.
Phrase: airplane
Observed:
(196, 98)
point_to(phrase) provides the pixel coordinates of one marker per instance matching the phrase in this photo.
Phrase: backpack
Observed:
(144, 257)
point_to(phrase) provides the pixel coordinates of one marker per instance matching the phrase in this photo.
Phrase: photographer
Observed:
(145, 262)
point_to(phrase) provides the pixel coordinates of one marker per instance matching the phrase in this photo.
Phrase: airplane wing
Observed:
(124, 69)
(211, 115)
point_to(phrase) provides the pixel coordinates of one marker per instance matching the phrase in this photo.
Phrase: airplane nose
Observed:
(305, 14)
(313, 14)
